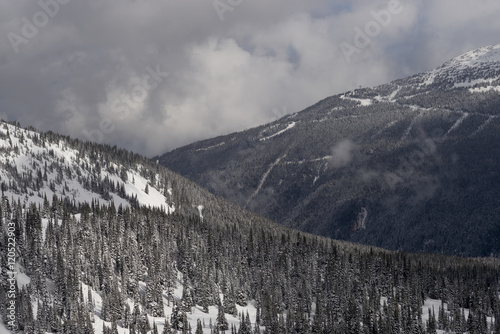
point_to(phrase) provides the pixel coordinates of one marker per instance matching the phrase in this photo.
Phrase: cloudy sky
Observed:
(151, 76)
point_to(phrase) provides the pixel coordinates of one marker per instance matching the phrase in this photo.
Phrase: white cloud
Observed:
(342, 153)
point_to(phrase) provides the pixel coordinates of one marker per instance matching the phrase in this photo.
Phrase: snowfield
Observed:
(27, 153)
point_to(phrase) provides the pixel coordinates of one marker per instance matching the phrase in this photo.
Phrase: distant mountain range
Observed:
(410, 165)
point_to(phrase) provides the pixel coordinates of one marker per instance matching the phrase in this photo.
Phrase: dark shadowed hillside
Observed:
(411, 165)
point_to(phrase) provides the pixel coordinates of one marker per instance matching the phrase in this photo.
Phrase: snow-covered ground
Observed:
(362, 102)
(435, 304)
(28, 157)
(486, 57)
(289, 126)
(466, 84)
(211, 147)
(3, 328)
(21, 277)
(27, 153)
(207, 319)
(458, 122)
(473, 58)
(193, 317)
(485, 89)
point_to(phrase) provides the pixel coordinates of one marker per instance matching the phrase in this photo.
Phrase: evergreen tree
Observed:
(167, 329)
(229, 303)
(187, 299)
(199, 328)
(176, 318)
(245, 325)
(222, 324)
(431, 323)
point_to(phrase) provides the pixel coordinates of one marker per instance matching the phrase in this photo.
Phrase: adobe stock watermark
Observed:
(126, 104)
(363, 37)
(223, 6)
(39, 20)
(11, 278)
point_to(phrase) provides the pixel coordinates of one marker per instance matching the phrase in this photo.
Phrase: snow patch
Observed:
(429, 78)
(28, 156)
(152, 198)
(200, 211)
(362, 102)
(489, 55)
(196, 311)
(483, 126)
(3, 328)
(290, 126)
(435, 304)
(21, 278)
(412, 124)
(472, 83)
(264, 178)
(473, 58)
(485, 89)
(458, 122)
(211, 147)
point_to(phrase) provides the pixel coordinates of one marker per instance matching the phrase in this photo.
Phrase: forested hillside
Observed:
(84, 264)
(411, 165)
(91, 258)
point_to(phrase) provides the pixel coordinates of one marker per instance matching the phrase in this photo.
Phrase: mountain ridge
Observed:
(404, 146)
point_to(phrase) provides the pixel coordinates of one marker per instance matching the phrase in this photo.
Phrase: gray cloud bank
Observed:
(154, 75)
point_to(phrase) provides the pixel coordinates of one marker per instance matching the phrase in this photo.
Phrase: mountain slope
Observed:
(103, 255)
(35, 167)
(410, 165)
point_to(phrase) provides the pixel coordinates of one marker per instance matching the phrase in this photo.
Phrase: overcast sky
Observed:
(151, 76)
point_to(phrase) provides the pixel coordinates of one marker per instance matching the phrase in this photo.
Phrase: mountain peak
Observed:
(480, 66)
(476, 57)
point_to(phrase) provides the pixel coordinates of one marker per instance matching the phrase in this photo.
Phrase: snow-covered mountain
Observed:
(94, 239)
(56, 173)
(36, 166)
(472, 68)
(409, 165)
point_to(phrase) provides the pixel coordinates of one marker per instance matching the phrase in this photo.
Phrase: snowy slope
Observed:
(476, 57)
(196, 312)
(208, 320)
(63, 171)
(35, 166)
(477, 67)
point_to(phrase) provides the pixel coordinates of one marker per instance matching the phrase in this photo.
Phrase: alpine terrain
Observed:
(411, 165)
(94, 239)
